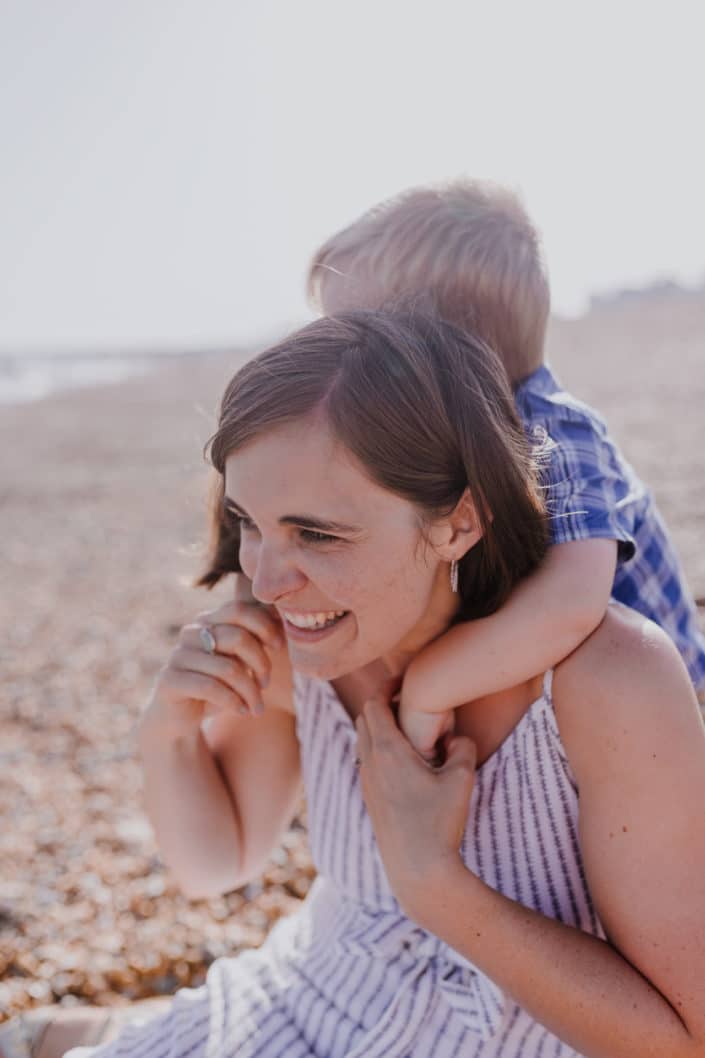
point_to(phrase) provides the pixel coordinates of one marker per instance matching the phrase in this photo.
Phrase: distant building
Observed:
(659, 290)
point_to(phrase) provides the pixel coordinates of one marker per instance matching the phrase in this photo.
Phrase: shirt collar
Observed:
(540, 381)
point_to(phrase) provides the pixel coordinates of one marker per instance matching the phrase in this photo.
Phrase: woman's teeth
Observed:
(313, 620)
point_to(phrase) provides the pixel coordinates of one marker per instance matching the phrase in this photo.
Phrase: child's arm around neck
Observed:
(547, 616)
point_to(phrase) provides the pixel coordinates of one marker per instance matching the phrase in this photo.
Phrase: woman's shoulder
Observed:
(627, 675)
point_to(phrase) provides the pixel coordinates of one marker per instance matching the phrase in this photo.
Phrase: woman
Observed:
(458, 910)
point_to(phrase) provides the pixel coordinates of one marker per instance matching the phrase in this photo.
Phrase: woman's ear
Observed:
(454, 535)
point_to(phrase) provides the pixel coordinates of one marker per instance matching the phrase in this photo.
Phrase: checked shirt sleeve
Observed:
(589, 491)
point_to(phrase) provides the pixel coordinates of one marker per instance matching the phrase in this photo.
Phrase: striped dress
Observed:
(348, 975)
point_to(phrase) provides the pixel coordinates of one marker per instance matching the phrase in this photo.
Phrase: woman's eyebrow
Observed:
(305, 521)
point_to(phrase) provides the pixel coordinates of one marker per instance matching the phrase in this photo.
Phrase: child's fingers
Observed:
(461, 752)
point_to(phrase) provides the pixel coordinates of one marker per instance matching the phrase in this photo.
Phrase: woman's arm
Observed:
(576, 985)
(631, 729)
(203, 782)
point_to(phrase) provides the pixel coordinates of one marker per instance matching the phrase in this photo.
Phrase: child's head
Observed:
(468, 247)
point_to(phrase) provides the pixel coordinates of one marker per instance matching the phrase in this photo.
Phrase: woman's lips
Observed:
(312, 635)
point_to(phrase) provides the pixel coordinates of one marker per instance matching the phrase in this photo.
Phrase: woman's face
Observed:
(342, 559)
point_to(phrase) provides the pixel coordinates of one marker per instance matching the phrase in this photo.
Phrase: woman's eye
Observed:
(245, 523)
(315, 537)
(310, 536)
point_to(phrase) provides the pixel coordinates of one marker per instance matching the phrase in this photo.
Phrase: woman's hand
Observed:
(249, 655)
(418, 813)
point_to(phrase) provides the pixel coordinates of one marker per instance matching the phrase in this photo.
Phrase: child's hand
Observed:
(422, 727)
(423, 730)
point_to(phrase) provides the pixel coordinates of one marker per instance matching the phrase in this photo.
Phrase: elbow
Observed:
(695, 1048)
(693, 1032)
(580, 622)
(207, 877)
(208, 887)
(697, 1039)
(217, 881)
(200, 889)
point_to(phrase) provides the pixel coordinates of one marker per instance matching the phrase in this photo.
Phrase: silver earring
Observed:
(454, 575)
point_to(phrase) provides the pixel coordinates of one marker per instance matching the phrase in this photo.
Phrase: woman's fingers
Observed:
(259, 620)
(380, 721)
(382, 734)
(233, 641)
(186, 688)
(225, 669)
(363, 739)
(228, 670)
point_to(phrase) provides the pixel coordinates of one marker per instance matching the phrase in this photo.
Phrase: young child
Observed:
(471, 250)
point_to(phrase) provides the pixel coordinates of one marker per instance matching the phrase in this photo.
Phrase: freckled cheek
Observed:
(336, 580)
(371, 593)
(339, 578)
(405, 587)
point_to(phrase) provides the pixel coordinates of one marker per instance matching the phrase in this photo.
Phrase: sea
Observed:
(30, 377)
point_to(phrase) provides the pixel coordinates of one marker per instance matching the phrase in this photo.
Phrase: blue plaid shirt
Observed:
(592, 491)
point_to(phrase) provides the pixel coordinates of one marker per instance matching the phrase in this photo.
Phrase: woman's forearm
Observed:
(575, 984)
(191, 811)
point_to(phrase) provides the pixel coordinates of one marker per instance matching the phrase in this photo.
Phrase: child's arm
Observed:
(546, 617)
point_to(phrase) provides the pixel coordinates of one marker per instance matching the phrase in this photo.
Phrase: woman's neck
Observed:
(384, 675)
(439, 613)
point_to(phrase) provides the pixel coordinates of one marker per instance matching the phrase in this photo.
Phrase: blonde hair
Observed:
(468, 247)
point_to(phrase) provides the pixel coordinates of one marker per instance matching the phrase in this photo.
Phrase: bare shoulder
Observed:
(626, 678)
(633, 733)
(627, 651)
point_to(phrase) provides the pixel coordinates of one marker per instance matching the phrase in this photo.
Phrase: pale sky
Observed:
(168, 166)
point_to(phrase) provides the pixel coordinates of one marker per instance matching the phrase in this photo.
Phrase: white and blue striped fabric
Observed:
(348, 975)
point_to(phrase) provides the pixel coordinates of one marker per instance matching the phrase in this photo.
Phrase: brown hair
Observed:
(426, 411)
(469, 245)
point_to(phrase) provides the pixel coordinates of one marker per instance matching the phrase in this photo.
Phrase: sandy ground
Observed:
(102, 518)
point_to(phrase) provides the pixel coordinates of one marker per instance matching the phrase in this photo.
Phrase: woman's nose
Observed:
(275, 575)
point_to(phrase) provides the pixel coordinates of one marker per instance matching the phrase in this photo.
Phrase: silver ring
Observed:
(207, 639)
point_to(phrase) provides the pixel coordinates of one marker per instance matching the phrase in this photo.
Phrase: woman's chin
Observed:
(318, 668)
(325, 653)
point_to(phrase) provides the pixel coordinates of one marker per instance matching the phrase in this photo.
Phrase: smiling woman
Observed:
(517, 900)
(359, 406)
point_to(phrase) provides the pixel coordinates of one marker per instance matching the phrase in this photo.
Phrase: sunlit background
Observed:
(168, 166)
